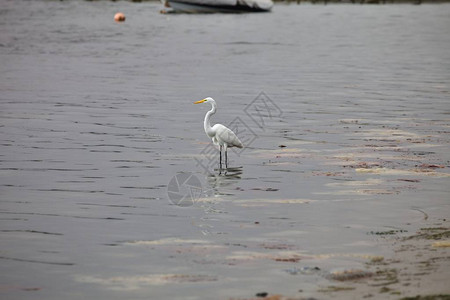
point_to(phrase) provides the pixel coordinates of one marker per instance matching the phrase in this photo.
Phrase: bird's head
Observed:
(206, 100)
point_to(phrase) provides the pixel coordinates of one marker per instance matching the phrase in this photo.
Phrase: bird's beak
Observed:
(200, 101)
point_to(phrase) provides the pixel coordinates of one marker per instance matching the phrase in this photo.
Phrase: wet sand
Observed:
(342, 190)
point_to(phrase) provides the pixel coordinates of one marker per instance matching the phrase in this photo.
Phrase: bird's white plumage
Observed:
(221, 135)
(224, 135)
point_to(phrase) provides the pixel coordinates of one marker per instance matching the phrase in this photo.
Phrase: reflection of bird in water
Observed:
(220, 134)
(229, 177)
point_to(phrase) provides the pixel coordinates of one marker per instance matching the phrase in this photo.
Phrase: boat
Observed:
(213, 6)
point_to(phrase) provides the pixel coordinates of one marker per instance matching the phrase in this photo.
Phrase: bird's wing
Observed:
(227, 136)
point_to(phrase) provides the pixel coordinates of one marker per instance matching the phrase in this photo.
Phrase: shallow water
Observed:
(97, 118)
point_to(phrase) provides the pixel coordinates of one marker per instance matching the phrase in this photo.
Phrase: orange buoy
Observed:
(119, 17)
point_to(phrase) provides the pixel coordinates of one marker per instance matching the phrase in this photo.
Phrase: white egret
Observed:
(220, 135)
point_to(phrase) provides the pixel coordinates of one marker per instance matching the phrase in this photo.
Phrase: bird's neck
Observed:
(206, 123)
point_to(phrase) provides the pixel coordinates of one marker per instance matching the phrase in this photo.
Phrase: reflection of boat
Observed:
(211, 6)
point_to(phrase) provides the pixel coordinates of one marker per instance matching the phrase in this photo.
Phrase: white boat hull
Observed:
(212, 6)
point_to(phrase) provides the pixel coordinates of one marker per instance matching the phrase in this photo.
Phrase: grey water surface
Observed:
(97, 117)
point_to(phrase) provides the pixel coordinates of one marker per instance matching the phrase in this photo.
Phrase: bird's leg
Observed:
(226, 158)
(226, 155)
(220, 157)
